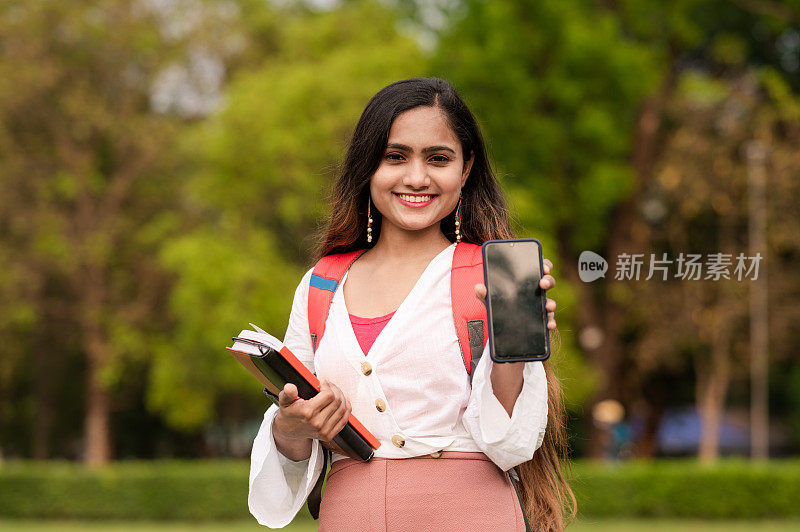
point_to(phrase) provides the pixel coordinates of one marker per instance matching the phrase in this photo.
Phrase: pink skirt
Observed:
(457, 491)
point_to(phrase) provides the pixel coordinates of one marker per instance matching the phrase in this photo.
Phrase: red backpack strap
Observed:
(325, 278)
(327, 273)
(469, 313)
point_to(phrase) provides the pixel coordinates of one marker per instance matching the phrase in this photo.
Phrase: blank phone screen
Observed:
(515, 301)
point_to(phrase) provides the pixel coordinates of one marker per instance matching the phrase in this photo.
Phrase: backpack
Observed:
(468, 312)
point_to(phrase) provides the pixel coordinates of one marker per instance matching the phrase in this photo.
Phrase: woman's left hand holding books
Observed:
(300, 420)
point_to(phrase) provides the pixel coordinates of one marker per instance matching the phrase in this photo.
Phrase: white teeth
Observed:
(415, 199)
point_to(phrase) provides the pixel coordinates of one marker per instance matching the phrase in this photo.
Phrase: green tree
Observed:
(88, 177)
(573, 95)
(560, 109)
(699, 203)
(263, 164)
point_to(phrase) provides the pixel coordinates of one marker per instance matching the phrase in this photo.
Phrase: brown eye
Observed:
(439, 159)
(394, 156)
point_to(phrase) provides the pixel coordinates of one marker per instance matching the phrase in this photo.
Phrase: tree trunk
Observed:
(97, 433)
(43, 365)
(98, 412)
(655, 394)
(712, 389)
(713, 381)
(647, 445)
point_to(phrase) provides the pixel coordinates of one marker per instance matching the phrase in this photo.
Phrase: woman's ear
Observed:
(467, 167)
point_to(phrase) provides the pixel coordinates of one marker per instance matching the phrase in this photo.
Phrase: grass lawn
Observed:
(601, 525)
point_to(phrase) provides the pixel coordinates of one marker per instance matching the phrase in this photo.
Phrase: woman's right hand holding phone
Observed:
(298, 420)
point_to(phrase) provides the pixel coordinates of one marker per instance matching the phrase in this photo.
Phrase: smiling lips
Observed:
(413, 200)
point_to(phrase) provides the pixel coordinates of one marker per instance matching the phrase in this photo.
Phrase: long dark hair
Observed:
(545, 492)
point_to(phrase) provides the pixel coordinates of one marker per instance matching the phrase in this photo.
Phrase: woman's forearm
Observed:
(296, 449)
(507, 383)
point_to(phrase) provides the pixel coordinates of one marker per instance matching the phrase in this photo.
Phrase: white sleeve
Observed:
(507, 441)
(279, 486)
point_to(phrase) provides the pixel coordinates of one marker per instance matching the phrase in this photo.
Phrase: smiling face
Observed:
(421, 173)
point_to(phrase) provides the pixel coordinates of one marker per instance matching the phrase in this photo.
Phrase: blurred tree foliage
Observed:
(260, 167)
(698, 203)
(574, 97)
(163, 166)
(90, 182)
(84, 165)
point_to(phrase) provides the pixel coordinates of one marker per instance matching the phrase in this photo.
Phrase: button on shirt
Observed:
(411, 391)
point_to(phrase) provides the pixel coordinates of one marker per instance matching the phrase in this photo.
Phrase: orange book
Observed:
(274, 365)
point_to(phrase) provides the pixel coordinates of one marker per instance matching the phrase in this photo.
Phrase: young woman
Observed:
(390, 352)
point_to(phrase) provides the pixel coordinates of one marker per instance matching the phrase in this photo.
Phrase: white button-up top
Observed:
(418, 371)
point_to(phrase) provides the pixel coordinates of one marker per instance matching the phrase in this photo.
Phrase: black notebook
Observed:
(274, 365)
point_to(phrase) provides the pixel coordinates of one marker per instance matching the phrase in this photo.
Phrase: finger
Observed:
(338, 395)
(323, 398)
(480, 291)
(335, 389)
(550, 305)
(337, 402)
(288, 395)
(323, 417)
(551, 321)
(326, 419)
(342, 423)
(337, 422)
(548, 266)
(547, 282)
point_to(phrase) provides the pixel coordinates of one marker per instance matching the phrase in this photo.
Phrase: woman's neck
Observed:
(398, 246)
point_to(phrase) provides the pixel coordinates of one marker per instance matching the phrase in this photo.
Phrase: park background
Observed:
(164, 166)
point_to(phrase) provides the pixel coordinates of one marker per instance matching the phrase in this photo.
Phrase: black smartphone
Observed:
(515, 303)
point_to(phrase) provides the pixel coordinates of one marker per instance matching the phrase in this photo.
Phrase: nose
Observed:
(417, 175)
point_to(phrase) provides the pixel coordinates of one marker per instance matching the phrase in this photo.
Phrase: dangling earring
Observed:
(458, 220)
(369, 220)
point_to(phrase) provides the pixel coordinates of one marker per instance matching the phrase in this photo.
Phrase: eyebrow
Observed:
(429, 149)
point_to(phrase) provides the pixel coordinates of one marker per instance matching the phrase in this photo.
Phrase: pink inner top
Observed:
(368, 329)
